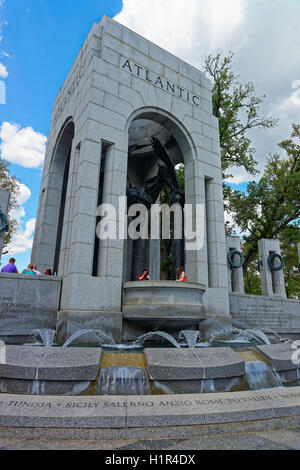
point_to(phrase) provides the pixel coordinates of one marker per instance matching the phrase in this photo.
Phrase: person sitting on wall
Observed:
(36, 271)
(29, 270)
(181, 276)
(10, 267)
(144, 276)
(48, 272)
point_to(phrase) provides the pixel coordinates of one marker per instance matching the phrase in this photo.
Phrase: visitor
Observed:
(48, 272)
(181, 276)
(36, 271)
(29, 270)
(10, 267)
(144, 276)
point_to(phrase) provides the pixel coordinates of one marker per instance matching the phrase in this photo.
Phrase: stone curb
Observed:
(120, 414)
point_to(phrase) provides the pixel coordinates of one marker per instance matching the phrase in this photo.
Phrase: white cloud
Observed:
(186, 28)
(264, 36)
(18, 213)
(22, 242)
(239, 176)
(3, 71)
(24, 147)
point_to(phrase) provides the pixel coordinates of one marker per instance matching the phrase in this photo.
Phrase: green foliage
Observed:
(11, 184)
(166, 245)
(252, 279)
(237, 108)
(166, 263)
(288, 244)
(165, 195)
(271, 206)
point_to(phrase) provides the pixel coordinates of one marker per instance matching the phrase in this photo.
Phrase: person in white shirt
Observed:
(36, 271)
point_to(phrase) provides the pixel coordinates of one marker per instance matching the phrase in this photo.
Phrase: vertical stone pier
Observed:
(235, 275)
(272, 281)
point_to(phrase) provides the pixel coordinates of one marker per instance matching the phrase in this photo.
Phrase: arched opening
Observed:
(146, 167)
(59, 172)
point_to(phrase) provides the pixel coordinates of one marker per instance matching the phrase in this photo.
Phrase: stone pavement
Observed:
(283, 439)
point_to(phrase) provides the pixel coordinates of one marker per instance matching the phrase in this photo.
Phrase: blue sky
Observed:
(42, 39)
(39, 40)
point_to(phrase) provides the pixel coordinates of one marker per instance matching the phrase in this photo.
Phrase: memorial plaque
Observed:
(43, 363)
(27, 303)
(276, 314)
(279, 355)
(194, 363)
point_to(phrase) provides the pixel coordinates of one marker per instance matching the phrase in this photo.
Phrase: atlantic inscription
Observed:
(160, 82)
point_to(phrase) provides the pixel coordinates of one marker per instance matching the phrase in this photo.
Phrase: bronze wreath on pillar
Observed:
(230, 258)
(271, 262)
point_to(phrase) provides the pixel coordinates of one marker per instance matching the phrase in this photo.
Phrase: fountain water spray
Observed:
(157, 334)
(46, 335)
(190, 337)
(101, 337)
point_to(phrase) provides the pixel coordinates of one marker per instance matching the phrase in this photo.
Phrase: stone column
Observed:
(110, 260)
(69, 212)
(4, 203)
(154, 263)
(154, 252)
(272, 282)
(235, 275)
(196, 259)
(84, 208)
(298, 245)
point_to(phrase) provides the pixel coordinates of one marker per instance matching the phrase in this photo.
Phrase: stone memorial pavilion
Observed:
(121, 91)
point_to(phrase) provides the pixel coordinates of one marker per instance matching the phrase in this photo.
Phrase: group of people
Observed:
(31, 269)
(181, 276)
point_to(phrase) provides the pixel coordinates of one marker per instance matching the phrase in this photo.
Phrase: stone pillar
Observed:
(298, 245)
(272, 282)
(4, 203)
(154, 252)
(235, 275)
(110, 260)
(81, 249)
(154, 262)
(69, 212)
(196, 259)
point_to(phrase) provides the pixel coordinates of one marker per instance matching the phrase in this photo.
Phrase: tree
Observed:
(271, 207)
(288, 244)
(11, 184)
(237, 108)
(252, 282)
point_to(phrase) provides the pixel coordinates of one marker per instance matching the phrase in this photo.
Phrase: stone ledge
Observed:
(164, 284)
(148, 433)
(147, 411)
(29, 277)
(193, 363)
(47, 363)
(279, 356)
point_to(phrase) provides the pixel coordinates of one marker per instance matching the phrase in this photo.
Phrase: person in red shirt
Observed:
(144, 276)
(181, 276)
